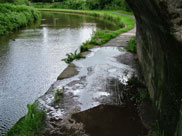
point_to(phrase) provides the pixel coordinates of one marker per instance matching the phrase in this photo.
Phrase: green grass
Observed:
(31, 124)
(13, 17)
(59, 92)
(131, 46)
(72, 56)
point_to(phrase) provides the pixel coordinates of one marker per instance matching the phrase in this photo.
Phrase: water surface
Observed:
(30, 60)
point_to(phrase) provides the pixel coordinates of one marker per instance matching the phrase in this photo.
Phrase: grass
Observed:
(59, 92)
(72, 56)
(131, 46)
(13, 17)
(31, 124)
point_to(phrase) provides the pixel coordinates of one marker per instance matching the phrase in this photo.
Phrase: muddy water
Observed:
(30, 60)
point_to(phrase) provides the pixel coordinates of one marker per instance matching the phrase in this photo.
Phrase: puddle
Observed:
(100, 80)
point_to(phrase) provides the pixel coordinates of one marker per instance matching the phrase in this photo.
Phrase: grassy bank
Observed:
(13, 17)
(124, 23)
(30, 125)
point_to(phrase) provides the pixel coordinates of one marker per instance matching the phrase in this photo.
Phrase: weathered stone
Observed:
(159, 46)
(68, 72)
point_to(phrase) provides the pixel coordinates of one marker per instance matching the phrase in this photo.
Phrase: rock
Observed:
(68, 72)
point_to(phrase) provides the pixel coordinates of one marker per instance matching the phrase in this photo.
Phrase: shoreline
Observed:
(70, 71)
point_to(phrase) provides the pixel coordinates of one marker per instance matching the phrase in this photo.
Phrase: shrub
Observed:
(17, 2)
(13, 17)
(88, 4)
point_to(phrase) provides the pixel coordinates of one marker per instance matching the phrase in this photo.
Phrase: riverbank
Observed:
(124, 29)
(13, 17)
(100, 37)
(102, 82)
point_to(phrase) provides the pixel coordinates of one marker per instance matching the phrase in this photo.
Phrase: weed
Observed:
(59, 92)
(84, 47)
(31, 124)
(131, 46)
(72, 56)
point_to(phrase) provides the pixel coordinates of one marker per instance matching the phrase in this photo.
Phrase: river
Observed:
(30, 59)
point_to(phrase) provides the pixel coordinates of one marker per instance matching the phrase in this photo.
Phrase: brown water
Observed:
(30, 60)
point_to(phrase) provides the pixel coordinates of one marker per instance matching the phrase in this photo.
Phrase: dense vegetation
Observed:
(83, 4)
(16, 2)
(31, 124)
(15, 16)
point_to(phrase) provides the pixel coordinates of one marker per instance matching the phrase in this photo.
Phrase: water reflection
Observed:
(30, 60)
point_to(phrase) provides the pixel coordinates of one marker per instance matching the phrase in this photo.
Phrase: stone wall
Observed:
(159, 48)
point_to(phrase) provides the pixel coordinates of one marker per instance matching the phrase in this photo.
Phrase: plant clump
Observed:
(31, 124)
(58, 94)
(72, 56)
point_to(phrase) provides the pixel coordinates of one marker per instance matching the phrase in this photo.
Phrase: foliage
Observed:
(59, 92)
(85, 4)
(13, 17)
(131, 46)
(72, 56)
(83, 47)
(31, 124)
(17, 2)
